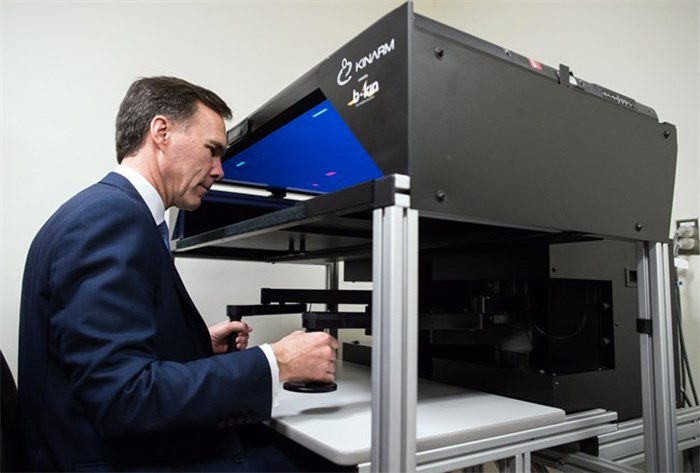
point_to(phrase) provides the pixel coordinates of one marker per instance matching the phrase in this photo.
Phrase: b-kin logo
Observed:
(365, 94)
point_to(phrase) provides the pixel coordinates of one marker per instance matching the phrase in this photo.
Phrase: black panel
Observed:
(561, 333)
(506, 144)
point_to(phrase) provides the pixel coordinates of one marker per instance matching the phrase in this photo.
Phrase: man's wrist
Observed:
(274, 371)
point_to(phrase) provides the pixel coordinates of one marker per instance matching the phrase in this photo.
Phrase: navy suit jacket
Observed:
(116, 369)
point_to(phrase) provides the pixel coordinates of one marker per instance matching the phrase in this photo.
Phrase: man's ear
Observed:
(160, 130)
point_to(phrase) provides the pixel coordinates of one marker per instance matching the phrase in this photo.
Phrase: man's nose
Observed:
(217, 170)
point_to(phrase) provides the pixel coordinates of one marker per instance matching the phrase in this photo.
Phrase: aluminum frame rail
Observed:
(514, 448)
(395, 327)
(626, 445)
(623, 449)
(580, 461)
(656, 350)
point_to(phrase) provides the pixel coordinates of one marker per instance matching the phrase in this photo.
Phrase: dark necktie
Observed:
(163, 228)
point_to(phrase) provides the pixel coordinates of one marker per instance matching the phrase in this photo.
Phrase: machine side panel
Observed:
(494, 142)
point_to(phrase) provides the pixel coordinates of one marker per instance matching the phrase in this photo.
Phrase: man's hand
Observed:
(306, 356)
(220, 332)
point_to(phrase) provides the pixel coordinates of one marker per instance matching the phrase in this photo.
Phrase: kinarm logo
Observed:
(345, 72)
(346, 66)
(375, 55)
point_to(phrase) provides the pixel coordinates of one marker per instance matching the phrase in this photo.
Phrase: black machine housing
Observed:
(533, 186)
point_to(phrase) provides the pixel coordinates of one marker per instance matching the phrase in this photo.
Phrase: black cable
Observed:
(682, 360)
(685, 363)
(584, 319)
(686, 399)
(679, 323)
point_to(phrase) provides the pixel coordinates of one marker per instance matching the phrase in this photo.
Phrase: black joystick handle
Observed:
(231, 340)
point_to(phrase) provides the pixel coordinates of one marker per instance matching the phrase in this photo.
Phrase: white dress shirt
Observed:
(155, 204)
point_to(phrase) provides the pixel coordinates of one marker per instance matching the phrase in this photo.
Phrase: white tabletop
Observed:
(338, 425)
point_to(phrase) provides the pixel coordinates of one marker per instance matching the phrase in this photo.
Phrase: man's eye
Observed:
(215, 151)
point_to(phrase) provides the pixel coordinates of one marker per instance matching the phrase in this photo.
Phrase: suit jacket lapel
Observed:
(119, 181)
(197, 322)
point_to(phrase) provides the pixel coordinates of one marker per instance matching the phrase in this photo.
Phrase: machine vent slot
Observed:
(617, 98)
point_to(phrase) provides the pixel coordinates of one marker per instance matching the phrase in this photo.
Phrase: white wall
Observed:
(65, 69)
(66, 66)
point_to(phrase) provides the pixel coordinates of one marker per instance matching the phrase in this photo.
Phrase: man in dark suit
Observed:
(117, 369)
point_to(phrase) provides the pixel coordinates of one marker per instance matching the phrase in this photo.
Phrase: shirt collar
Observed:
(146, 190)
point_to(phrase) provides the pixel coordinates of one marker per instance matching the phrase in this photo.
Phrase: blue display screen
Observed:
(315, 152)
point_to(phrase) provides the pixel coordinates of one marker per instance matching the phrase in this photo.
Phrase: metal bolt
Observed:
(440, 195)
(439, 53)
(667, 134)
(638, 227)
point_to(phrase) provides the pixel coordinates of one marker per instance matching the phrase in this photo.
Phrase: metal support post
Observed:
(580, 461)
(656, 344)
(332, 282)
(691, 459)
(395, 337)
(519, 463)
